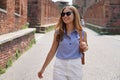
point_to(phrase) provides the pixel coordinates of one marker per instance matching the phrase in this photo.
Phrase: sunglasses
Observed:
(66, 13)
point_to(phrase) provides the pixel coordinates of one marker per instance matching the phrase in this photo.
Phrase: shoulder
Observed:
(84, 33)
(56, 32)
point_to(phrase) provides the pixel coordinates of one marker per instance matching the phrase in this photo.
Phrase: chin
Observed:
(66, 22)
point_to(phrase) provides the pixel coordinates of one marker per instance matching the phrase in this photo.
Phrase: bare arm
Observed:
(85, 40)
(49, 56)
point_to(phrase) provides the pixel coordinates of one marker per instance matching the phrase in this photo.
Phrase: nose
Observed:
(65, 15)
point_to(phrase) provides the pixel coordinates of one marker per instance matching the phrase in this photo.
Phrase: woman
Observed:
(67, 45)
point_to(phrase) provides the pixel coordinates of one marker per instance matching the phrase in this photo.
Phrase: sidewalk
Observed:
(102, 63)
(28, 65)
(116, 37)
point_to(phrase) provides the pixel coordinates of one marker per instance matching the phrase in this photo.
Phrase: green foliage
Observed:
(9, 63)
(50, 28)
(33, 41)
(17, 55)
(2, 70)
(25, 26)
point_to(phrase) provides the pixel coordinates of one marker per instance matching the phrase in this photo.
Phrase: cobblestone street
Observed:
(102, 59)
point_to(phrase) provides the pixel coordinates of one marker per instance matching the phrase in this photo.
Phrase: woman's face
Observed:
(67, 16)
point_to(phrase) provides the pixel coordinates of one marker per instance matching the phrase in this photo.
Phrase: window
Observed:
(3, 4)
(17, 6)
(35, 1)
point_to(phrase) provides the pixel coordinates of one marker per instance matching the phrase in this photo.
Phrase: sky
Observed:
(70, 1)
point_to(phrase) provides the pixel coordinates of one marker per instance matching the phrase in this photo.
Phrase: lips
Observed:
(65, 19)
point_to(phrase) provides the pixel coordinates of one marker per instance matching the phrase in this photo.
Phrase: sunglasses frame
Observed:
(66, 13)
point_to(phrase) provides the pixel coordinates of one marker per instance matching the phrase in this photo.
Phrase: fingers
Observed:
(83, 45)
(40, 75)
(84, 48)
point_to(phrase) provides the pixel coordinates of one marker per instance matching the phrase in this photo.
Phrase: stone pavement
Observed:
(28, 65)
(102, 59)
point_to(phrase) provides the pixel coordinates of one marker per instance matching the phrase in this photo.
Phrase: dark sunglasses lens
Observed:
(68, 13)
(62, 14)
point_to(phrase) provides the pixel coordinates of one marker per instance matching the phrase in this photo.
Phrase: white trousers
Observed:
(70, 69)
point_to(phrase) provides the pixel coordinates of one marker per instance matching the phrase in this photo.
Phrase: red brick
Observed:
(8, 49)
(103, 13)
(47, 12)
(9, 21)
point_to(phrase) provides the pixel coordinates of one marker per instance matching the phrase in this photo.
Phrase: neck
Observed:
(70, 28)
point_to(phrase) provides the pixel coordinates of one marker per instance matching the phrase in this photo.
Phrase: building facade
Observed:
(79, 5)
(42, 12)
(103, 13)
(14, 39)
(13, 15)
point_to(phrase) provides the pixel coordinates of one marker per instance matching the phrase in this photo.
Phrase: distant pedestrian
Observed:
(82, 21)
(68, 47)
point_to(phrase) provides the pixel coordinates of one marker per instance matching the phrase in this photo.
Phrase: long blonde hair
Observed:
(60, 27)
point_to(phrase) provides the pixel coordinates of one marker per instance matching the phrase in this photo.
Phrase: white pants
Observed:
(67, 69)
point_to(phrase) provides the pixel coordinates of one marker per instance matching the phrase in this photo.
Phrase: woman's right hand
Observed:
(40, 74)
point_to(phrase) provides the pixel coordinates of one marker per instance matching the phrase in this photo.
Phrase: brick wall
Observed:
(8, 50)
(2, 21)
(95, 14)
(104, 13)
(78, 4)
(113, 12)
(10, 20)
(42, 12)
(49, 12)
(13, 16)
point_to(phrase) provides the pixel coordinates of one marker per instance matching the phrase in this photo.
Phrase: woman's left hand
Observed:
(83, 46)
